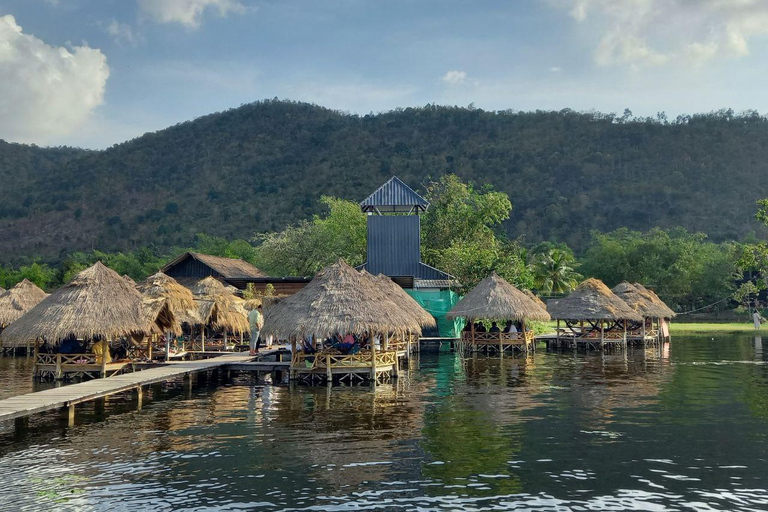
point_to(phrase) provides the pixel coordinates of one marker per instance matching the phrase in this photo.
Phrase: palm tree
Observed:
(554, 272)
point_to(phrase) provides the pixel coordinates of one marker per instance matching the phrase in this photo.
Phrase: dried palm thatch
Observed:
(639, 300)
(158, 314)
(217, 307)
(535, 298)
(592, 300)
(668, 312)
(2, 290)
(19, 300)
(180, 300)
(495, 298)
(406, 304)
(338, 300)
(96, 302)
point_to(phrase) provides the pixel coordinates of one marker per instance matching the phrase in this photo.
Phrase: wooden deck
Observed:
(65, 397)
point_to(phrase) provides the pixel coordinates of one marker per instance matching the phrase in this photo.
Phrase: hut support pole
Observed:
(292, 373)
(373, 357)
(644, 320)
(625, 334)
(71, 415)
(558, 333)
(139, 398)
(225, 341)
(34, 363)
(602, 335)
(104, 353)
(27, 353)
(149, 346)
(525, 336)
(167, 347)
(472, 335)
(202, 345)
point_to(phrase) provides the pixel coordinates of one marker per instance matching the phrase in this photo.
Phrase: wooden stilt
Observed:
(139, 398)
(71, 415)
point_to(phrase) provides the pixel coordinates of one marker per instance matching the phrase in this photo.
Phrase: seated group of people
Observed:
(347, 344)
(509, 327)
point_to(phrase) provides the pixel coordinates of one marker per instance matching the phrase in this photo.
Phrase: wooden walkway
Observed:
(65, 397)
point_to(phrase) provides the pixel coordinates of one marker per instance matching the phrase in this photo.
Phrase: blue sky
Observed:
(93, 73)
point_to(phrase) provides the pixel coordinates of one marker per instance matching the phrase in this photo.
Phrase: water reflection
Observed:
(645, 430)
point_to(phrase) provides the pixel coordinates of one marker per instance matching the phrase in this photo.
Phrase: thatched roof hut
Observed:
(217, 307)
(157, 313)
(407, 304)
(180, 300)
(495, 298)
(592, 300)
(338, 300)
(17, 301)
(639, 300)
(96, 302)
(668, 312)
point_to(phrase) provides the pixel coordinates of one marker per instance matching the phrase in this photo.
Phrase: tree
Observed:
(553, 271)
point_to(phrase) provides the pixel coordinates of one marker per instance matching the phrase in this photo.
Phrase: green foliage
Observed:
(305, 248)
(684, 268)
(459, 233)
(264, 166)
(40, 274)
(554, 271)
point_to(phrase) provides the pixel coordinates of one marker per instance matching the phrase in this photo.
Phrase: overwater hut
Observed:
(494, 299)
(339, 303)
(642, 303)
(668, 313)
(14, 303)
(594, 316)
(219, 312)
(95, 308)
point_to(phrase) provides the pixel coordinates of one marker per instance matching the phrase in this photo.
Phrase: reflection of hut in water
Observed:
(222, 318)
(669, 314)
(495, 299)
(594, 317)
(97, 307)
(338, 303)
(14, 304)
(647, 331)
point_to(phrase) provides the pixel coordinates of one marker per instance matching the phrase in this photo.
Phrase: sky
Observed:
(93, 73)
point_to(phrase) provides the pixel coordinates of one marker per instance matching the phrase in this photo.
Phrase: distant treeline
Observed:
(264, 166)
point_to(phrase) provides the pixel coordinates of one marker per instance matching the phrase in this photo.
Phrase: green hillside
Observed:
(264, 165)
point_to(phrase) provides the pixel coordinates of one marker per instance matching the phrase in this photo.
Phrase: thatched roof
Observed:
(158, 314)
(17, 301)
(2, 290)
(592, 300)
(668, 312)
(535, 298)
(227, 268)
(495, 298)
(96, 302)
(407, 304)
(180, 300)
(218, 307)
(338, 300)
(639, 300)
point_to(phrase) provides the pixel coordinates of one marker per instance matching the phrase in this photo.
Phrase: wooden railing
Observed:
(613, 335)
(326, 360)
(499, 338)
(61, 359)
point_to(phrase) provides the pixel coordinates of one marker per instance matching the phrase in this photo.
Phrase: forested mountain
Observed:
(264, 165)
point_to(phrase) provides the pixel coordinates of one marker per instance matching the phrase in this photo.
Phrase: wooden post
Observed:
(26, 353)
(644, 320)
(167, 347)
(558, 333)
(525, 335)
(104, 353)
(71, 415)
(34, 365)
(139, 398)
(328, 371)
(202, 343)
(150, 339)
(602, 335)
(385, 345)
(225, 340)
(293, 370)
(373, 357)
(472, 335)
(625, 334)
(59, 374)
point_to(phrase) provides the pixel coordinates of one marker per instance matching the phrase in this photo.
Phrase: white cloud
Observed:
(122, 33)
(670, 32)
(555, 69)
(46, 91)
(454, 77)
(187, 12)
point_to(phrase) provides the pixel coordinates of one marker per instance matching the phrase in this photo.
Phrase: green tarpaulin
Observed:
(438, 303)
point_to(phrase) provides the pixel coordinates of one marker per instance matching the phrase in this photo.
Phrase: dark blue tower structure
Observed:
(394, 249)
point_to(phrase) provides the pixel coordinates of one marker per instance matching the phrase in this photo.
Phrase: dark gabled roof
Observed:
(227, 268)
(394, 196)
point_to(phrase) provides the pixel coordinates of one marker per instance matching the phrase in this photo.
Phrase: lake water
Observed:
(680, 430)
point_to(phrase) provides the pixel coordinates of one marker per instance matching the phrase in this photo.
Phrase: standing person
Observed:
(756, 319)
(255, 321)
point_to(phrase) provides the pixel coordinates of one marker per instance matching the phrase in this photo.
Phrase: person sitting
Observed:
(468, 327)
(101, 350)
(494, 327)
(480, 327)
(70, 345)
(510, 327)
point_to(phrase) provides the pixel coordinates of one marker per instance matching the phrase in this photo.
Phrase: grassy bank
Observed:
(715, 327)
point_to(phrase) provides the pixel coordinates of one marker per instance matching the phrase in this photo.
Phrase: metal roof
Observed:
(394, 196)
